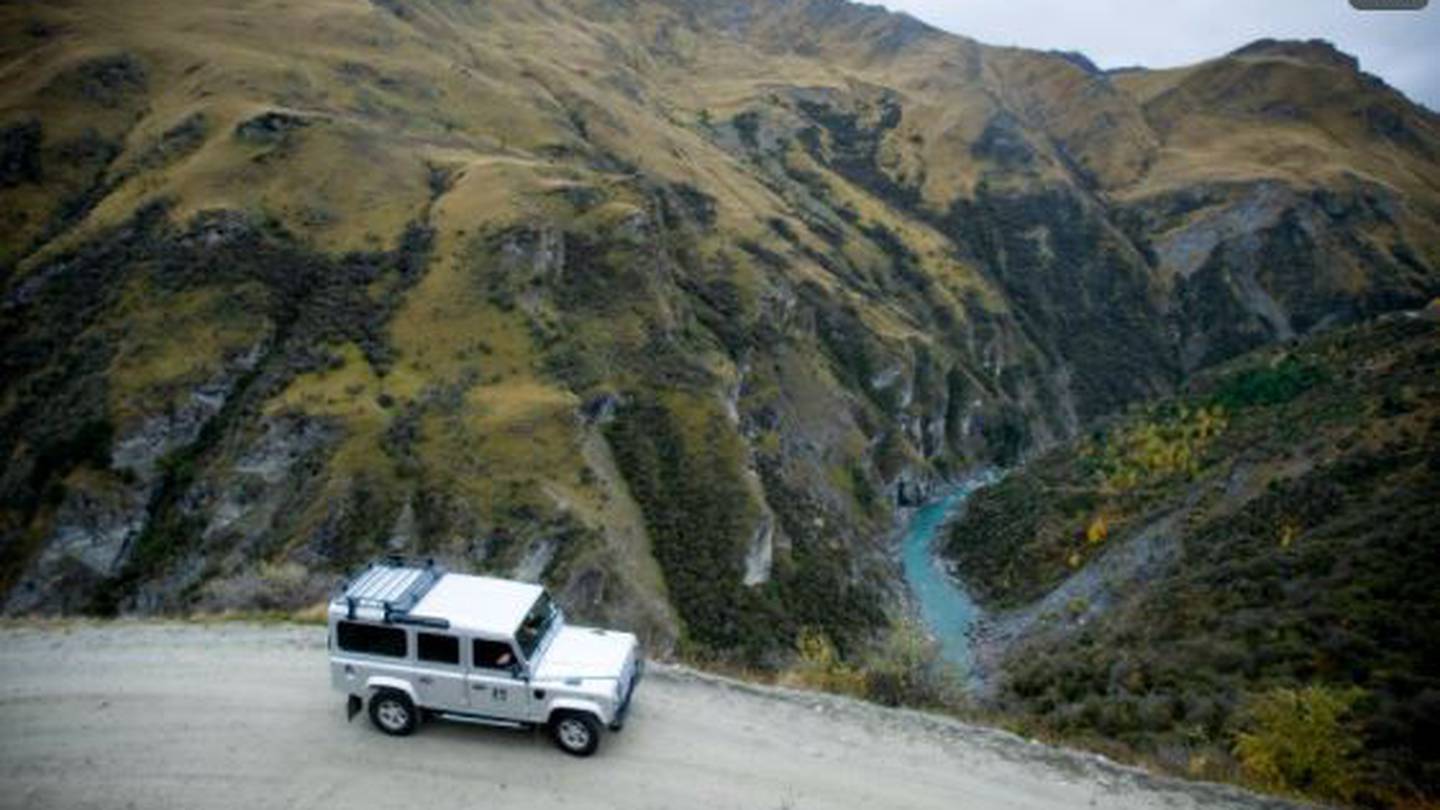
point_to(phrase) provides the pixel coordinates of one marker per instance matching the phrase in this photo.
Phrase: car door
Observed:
(495, 689)
(440, 675)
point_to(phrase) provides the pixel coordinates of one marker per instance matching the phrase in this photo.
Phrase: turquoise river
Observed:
(945, 607)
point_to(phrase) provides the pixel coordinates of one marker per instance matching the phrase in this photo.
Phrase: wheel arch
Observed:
(580, 705)
(401, 685)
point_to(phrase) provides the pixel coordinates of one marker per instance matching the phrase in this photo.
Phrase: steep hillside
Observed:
(1239, 579)
(667, 303)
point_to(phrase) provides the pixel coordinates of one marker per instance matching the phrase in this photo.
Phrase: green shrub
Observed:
(905, 669)
(1275, 385)
(1165, 444)
(819, 666)
(1300, 741)
(694, 502)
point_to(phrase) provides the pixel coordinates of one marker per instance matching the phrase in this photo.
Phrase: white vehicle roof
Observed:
(483, 605)
(473, 604)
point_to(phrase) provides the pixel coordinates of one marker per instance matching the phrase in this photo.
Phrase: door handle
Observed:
(425, 680)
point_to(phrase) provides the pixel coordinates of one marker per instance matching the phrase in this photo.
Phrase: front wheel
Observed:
(393, 713)
(576, 733)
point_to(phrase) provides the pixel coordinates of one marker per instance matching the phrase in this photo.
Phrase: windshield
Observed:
(535, 625)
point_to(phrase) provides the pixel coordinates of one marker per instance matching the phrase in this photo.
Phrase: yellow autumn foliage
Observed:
(819, 666)
(1289, 533)
(1097, 531)
(1152, 450)
(1299, 741)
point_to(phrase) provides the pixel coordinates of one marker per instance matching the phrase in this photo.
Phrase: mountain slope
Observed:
(1167, 582)
(667, 303)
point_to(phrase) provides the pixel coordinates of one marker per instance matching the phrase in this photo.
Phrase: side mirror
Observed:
(518, 672)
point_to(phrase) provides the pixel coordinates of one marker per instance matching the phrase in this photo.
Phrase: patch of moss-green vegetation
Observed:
(683, 465)
(695, 502)
(847, 343)
(1263, 387)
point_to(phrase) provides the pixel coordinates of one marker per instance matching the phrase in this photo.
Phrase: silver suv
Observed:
(413, 640)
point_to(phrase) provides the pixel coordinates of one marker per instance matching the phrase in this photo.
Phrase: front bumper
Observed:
(620, 713)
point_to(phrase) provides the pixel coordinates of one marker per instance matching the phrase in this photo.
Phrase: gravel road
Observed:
(142, 715)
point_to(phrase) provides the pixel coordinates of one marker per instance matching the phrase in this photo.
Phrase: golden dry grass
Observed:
(170, 343)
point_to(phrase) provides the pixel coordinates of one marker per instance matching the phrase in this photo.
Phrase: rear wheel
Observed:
(393, 712)
(576, 733)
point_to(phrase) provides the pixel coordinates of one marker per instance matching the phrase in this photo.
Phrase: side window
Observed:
(437, 648)
(372, 639)
(493, 654)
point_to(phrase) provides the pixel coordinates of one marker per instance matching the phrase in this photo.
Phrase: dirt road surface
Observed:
(140, 715)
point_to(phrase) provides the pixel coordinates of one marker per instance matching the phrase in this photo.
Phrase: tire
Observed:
(575, 733)
(394, 713)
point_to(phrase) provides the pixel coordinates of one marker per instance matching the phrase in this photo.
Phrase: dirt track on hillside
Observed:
(240, 716)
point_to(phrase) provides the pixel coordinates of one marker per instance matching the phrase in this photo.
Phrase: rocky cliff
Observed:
(669, 304)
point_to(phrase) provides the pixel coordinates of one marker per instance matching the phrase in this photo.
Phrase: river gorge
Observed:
(943, 604)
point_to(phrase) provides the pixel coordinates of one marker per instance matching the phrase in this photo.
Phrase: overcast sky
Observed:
(1402, 47)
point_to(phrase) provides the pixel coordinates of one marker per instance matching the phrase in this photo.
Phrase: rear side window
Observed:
(493, 654)
(440, 649)
(371, 639)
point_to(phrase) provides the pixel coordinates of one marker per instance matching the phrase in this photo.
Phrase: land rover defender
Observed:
(411, 640)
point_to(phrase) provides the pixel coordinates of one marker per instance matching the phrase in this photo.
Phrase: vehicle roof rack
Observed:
(390, 587)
